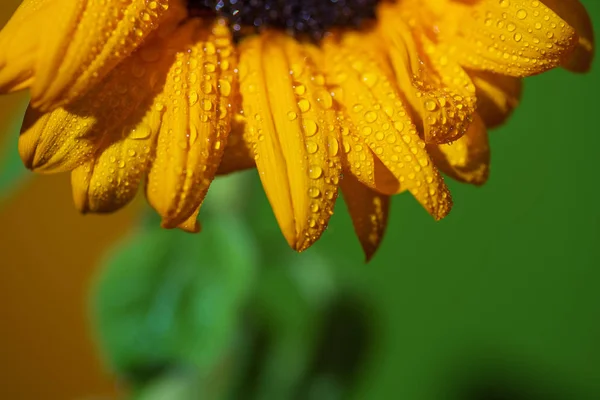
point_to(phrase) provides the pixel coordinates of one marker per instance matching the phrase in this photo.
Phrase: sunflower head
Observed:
(371, 97)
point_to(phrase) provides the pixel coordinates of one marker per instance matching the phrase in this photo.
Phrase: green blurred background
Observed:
(500, 300)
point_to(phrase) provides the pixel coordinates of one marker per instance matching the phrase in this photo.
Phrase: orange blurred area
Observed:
(49, 255)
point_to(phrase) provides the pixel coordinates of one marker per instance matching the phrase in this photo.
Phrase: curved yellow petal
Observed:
(291, 119)
(439, 91)
(195, 122)
(69, 136)
(61, 48)
(121, 137)
(376, 110)
(497, 96)
(467, 159)
(512, 37)
(574, 13)
(111, 179)
(51, 142)
(369, 211)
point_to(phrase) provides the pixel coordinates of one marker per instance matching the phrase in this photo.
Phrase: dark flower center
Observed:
(301, 18)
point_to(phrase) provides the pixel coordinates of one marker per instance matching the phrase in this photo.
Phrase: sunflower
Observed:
(370, 97)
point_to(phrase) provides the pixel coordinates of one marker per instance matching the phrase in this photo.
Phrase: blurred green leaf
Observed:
(172, 386)
(168, 299)
(12, 171)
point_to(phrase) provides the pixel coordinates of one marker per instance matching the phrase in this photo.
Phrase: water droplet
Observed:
(193, 98)
(521, 14)
(224, 87)
(430, 105)
(304, 105)
(314, 192)
(207, 105)
(333, 146)
(300, 90)
(399, 126)
(370, 79)
(370, 116)
(315, 172)
(310, 127)
(357, 108)
(207, 87)
(193, 134)
(141, 131)
(311, 147)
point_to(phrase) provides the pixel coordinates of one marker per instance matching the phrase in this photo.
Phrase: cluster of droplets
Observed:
(317, 96)
(438, 91)
(90, 122)
(177, 98)
(447, 96)
(306, 18)
(108, 165)
(376, 121)
(305, 114)
(196, 108)
(532, 38)
(106, 40)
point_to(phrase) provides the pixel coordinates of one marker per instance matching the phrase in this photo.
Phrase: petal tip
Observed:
(190, 226)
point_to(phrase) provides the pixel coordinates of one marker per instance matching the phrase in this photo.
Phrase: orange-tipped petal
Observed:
(111, 112)
(292, 122)
(512, 37)
(439, 91)
(382, 121)
(111, 179)
(369, 211)
(120, 158)
(497, 96)
(195, 123)
(61, 48)
(575, 14)
(467, 159)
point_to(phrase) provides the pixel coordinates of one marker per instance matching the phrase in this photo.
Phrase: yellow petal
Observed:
(369, 211)
(439, 91)
(574, 13)
(374, 106)
(117, 125)
(511, 37)
(67, 137)
(61, 48)
(497, 96)
(292, 122)
(112, 177)
(52, 142)
(191, 224)
(195, 123)
(467, 159)
(239, 153)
